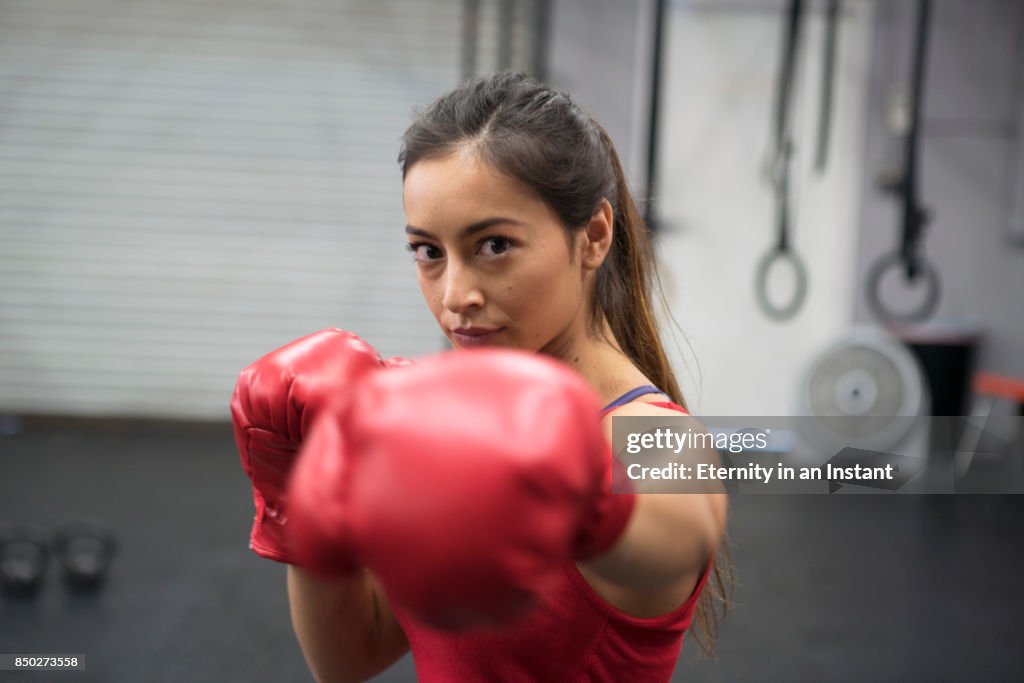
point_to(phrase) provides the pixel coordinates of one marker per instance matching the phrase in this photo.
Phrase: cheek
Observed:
(431, 293)
(544, 295)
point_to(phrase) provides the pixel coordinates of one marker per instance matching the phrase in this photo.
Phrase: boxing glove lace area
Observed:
(274, 403)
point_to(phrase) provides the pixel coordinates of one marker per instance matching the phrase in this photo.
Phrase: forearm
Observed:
(344, 626)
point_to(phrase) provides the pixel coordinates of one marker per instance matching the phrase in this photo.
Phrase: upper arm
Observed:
(668, 542)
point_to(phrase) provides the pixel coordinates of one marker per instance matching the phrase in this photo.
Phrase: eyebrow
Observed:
(470, 229)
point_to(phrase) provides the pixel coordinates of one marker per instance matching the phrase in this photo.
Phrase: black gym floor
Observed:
(841, 588)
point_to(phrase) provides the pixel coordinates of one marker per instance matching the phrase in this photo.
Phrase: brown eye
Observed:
(497, 246)
(423, 252)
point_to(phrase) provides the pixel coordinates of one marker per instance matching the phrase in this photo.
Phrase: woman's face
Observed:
(492, 258)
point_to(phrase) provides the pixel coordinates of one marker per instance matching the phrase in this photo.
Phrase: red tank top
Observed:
(576, 636)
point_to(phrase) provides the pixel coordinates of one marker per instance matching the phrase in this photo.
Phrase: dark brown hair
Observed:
(541, 138)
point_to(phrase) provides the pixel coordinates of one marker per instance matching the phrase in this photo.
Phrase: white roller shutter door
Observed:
(187, 185)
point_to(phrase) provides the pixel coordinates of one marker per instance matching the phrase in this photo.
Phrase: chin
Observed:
(499, 342)
(486, 345)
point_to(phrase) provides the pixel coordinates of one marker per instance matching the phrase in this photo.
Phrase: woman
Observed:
(525, 236)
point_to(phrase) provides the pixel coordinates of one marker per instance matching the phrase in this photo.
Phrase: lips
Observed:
(475, 336)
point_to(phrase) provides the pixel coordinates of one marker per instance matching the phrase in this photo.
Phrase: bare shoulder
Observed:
(713, 503)
(670, 539)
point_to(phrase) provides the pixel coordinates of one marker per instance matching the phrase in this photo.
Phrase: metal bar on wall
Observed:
(470, 37)
(506, 32)
(650, 209)
(541, 30)
(1016, 226)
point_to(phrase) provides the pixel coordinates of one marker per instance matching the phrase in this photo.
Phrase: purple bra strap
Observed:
(630, 395)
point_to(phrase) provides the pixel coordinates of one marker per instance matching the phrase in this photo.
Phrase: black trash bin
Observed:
(946, 352)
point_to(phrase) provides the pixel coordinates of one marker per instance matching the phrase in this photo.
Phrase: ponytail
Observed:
(622, 296)
(624, 284)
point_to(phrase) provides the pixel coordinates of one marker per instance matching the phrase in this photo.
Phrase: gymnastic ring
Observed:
(761, 286)
(881, 311)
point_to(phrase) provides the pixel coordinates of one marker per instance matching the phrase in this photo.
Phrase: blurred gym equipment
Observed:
(781, 252)
(915, 217)
(866, 390)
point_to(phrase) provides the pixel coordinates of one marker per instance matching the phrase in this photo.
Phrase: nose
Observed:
(462, 292)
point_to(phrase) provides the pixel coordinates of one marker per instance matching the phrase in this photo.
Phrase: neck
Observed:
(599, 359)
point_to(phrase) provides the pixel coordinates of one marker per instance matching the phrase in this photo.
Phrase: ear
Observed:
(598, 235)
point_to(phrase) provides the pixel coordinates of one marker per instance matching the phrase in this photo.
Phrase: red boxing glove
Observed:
(275, 401)
(463, 482)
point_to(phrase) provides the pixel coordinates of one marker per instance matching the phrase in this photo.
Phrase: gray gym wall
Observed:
(719, 71)
(185, 186)
(131, 289)
(600, 51)
(972, 166)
